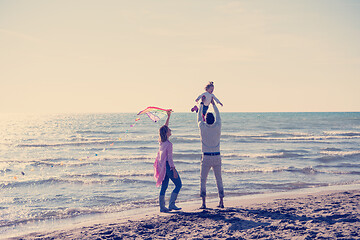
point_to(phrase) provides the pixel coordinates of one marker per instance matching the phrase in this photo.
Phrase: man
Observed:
(210, 132)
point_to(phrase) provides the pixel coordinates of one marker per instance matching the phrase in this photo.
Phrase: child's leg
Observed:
(195, 109)
(205, 108)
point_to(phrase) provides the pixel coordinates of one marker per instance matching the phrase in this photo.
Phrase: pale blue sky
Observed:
(121, 56)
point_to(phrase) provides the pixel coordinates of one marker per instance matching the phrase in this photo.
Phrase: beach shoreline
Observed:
(317, 212)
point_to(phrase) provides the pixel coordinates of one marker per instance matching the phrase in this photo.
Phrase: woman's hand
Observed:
(168, 118)
(175, 172)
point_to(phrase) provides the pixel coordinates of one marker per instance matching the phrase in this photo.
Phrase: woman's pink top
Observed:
(164, 154)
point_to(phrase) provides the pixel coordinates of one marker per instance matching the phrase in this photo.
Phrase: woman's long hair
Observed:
(163, 133)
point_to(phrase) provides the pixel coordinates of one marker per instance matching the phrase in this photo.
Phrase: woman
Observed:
(165, 168)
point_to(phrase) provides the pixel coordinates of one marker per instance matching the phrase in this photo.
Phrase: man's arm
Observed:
(200, 118)
(217, 113)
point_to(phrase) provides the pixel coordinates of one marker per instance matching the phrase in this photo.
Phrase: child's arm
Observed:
(198, 98)
(217, 100)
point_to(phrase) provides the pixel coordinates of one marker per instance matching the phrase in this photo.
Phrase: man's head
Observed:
(209, 118)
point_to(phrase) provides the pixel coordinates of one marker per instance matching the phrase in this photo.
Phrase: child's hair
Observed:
(163, 133)
(210, 84)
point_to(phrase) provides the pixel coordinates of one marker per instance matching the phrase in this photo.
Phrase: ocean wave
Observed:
(51, 214)
(99, 132)
(333, 156)
(189, 139)
(288, 186)
(342, 133)
(331, 149)
(311, 138)
(305, 170)
(79, 180)
(138, 142)
(341, 153)
(119, 175)
(178, 155)
(264, 135)
(71, 212)
(342, 165)
(61, 144)
(281, 154)
(5, 170)
(286, 136)
(85, 161)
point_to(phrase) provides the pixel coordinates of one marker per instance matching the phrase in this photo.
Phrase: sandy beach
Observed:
(321, 214)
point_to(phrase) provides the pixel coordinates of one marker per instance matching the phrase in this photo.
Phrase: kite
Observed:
(154, 113)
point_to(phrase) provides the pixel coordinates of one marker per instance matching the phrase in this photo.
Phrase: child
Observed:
(165, 169)
(207, 98)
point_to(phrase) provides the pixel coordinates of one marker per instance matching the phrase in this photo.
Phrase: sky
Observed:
(65, 56)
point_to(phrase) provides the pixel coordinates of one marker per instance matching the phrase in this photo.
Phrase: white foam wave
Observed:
(82, 180)
(283, 154)
(291, 136)
(305, 170)
(342, 133)
(340, 153)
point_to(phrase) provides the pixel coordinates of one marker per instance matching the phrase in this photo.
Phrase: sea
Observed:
(61, 166)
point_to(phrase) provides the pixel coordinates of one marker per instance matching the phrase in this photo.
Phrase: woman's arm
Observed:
(168, 118)
(171, 161)
(170, 156)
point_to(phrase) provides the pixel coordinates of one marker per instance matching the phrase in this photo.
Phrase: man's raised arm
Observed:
(217, 113)
(200, 118)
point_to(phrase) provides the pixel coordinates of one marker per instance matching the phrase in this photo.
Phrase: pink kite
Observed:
(154, 113)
